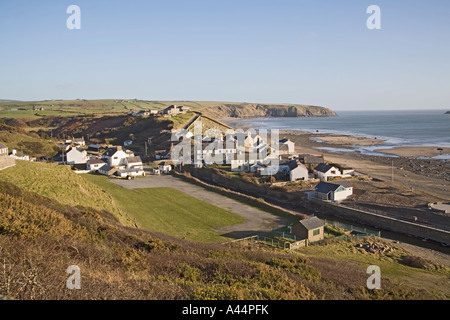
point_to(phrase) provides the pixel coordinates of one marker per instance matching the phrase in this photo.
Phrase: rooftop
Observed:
(96, 161)
(325, 187)
(134, 160)
(322, 167)
(312, 223)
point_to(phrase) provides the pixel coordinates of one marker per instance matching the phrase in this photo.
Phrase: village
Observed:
(235, 153)
(236, 157)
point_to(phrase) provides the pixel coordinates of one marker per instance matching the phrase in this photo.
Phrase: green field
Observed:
(24, 109)
(170, 211)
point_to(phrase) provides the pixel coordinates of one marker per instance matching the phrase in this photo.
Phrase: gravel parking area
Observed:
(257, 221)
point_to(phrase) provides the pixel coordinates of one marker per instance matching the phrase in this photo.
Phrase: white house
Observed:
(94, 165)
(295, 170)
(298, 171)
(133, 172)
(3, 150)
(107, 170)
(286, 146)
(134, 163)
(116, 156)
(324, 172)
(76, 156)
(19, 155)
(164, 167)
(333, 191)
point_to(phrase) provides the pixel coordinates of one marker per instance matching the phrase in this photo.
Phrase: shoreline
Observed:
(412, 165)
(432, 176)
(352, 142)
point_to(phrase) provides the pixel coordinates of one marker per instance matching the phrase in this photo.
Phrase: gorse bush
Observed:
(41, 237)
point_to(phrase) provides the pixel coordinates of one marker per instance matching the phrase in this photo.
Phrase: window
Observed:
(316, 232)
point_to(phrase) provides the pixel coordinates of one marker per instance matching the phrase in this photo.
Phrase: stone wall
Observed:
(258, 191)
(6, 162)
(384, 222)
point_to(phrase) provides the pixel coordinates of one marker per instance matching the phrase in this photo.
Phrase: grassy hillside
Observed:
(14, 136)
(62, 185)
(40, 238)
(170, 211)
(36, 109)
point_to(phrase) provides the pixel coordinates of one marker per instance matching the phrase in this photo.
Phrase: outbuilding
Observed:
(333, 191)
(310, 229)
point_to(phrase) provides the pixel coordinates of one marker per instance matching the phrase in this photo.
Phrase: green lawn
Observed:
(170, 211)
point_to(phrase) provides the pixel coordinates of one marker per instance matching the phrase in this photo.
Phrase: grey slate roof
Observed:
(106, 168)
(312, 223)
(110, 152)
(326, 187)
(96, 161)
(134, 160)
(322, 167)
(2, 146)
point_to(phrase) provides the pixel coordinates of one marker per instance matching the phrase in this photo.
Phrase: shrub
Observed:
(417, 262)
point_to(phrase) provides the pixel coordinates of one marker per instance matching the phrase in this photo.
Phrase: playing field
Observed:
(170, 211)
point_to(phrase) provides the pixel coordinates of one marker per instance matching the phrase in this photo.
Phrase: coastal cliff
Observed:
(251, 110)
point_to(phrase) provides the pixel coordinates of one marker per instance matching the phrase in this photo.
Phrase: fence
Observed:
(271, 242)
(349, 227)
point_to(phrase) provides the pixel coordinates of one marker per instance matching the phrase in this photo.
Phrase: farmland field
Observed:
(37, 109)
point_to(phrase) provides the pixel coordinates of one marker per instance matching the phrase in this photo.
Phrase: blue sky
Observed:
(287, 51)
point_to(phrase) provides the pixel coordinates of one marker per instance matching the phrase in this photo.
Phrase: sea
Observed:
(397, 128)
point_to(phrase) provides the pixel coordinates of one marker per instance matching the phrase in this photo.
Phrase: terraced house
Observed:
(5, 161)
(3, 150)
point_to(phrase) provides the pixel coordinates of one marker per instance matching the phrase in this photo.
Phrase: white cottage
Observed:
(76, 156)
(3, 150)
(164, 167)
(95, 165)
(286, 146)
(116, 156)
(324, 172)
(333, 191)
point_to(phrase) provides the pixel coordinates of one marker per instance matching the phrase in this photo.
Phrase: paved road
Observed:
(257, 221)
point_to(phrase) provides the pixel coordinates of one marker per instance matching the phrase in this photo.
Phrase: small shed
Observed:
(310, 229)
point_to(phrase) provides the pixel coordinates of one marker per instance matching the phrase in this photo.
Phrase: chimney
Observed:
(119, 148)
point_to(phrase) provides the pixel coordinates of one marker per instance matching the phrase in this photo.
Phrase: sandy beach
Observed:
(344, 140)
(416, 151)
(431, 176)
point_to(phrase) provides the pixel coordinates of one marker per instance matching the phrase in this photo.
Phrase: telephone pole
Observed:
(392, 171)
